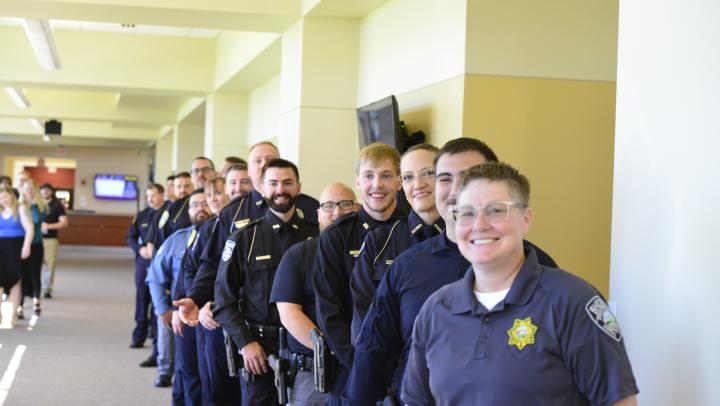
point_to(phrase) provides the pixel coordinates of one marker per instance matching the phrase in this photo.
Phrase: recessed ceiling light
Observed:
(18, 97)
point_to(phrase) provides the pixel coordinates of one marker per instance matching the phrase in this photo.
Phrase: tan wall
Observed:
(91, 161)
(560, 134)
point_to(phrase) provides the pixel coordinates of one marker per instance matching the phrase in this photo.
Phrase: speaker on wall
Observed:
(53, 127)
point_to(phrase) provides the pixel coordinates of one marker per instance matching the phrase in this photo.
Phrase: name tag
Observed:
(354, 253)
(276, 226)
(262, 257)
(241, 223)
(389, 262)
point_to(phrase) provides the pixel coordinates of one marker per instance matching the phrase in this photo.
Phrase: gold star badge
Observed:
(522, 333)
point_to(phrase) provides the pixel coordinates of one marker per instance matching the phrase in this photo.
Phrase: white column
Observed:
(225, 126)
(664, 263)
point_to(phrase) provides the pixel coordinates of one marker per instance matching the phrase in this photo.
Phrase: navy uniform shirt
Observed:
(237, 214)
(338, 247)
(294, 284)
(551, 341)
(168, 220)
(249, 261)
(380, 248)
(192, 256)
(384, 338)
(137, 233)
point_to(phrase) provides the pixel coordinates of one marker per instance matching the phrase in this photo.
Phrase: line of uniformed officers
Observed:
(439, 302)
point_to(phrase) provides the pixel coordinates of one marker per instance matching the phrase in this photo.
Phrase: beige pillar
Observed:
(190, 143)
(318, 128)
(163, 158)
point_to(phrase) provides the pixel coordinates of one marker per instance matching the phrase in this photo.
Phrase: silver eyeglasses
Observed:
(493, 212)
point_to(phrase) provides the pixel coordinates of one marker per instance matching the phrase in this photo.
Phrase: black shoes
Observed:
(163, 381)
(149, 363)
(37, 309)
(48, 295)
(136, 344)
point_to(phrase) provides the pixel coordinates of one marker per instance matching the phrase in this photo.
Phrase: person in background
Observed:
(55, 220)
(6, 181)
(137, 241)
(170, 188)
(228, 162)
(32, 265)
(16, 234)
(21, 177)
(520, 332)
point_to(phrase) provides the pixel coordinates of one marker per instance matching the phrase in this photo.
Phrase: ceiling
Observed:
(131, 70)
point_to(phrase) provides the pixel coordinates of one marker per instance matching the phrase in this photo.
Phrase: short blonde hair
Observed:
(375, 154)
(257, 144)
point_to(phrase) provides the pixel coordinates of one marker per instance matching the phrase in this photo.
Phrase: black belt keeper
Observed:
(300, 362)
(264, 331)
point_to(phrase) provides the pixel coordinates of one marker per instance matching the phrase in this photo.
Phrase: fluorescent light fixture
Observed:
(37, 124)
(46, 138)
(40, 35)
(18, 97)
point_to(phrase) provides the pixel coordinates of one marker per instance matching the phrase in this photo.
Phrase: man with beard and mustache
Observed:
(249, 260)
(377, 169)
(384, 338)
(163, 276)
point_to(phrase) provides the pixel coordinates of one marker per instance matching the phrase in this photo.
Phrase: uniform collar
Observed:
(416, 224)
(440, 243)
(277, 224)
(256, 198)
(462, 294)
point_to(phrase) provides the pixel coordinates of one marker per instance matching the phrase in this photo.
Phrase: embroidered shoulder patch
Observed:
(228, 250)
(601, 315)
(163, 219)
(522, 333)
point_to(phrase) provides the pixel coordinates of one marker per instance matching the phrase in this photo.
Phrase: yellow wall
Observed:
(263, 118)
(163, 158)
(560, 134)
(436, 109)
(190, 145)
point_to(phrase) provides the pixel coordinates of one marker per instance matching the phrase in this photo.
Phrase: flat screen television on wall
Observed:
(380, 122)
(116, 187)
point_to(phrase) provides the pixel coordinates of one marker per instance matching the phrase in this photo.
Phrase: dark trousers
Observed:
(31, 271)
(186, 389)
(144, 317)
(334, 397)
(261, 391)
(218, 386)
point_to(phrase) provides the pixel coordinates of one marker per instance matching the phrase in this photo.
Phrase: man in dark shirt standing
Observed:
(136, 239)
(249, 261)
(294, 295)
(377, 169)
(55, 220)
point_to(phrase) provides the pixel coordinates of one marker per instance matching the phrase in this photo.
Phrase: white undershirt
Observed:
(489, 300)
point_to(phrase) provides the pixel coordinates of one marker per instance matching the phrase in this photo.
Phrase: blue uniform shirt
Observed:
(138, 231)
(249, 262)
(192, 257)
(551, 341)
(167, 220)
(294, 284)
(384, 339)
(380, 248)
(338, 246)
(165, 267)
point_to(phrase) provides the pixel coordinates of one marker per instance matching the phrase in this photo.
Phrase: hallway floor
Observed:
(77, 351)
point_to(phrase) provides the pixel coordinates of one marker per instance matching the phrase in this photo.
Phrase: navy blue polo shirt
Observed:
(294, 284)
(191, 263)
(551, 341)
(379, 250)
(384, 339)
(137, 233)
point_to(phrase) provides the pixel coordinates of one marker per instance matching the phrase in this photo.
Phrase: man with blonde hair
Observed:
(377, 169)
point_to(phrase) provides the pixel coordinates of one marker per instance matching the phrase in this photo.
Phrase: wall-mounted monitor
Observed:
(380, 122)
(116, 187)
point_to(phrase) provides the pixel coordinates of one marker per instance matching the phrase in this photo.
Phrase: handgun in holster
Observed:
(232, 355)
(281, 367)
(324, 363)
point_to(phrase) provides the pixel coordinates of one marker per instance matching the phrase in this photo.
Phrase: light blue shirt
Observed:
(163, 272)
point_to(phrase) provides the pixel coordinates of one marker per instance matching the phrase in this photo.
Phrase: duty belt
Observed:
(262, 331)
(301, 362)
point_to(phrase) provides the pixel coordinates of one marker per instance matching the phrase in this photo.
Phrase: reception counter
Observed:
(95, 229)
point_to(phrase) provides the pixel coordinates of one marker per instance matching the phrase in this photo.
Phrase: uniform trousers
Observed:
(165, 349)
(143, 301)
(186, 389)
(220, 388)
(303, 391)
(261, 391)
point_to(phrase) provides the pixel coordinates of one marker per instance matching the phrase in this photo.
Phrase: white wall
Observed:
(264, 112)
(664, 269)
(408, 44)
